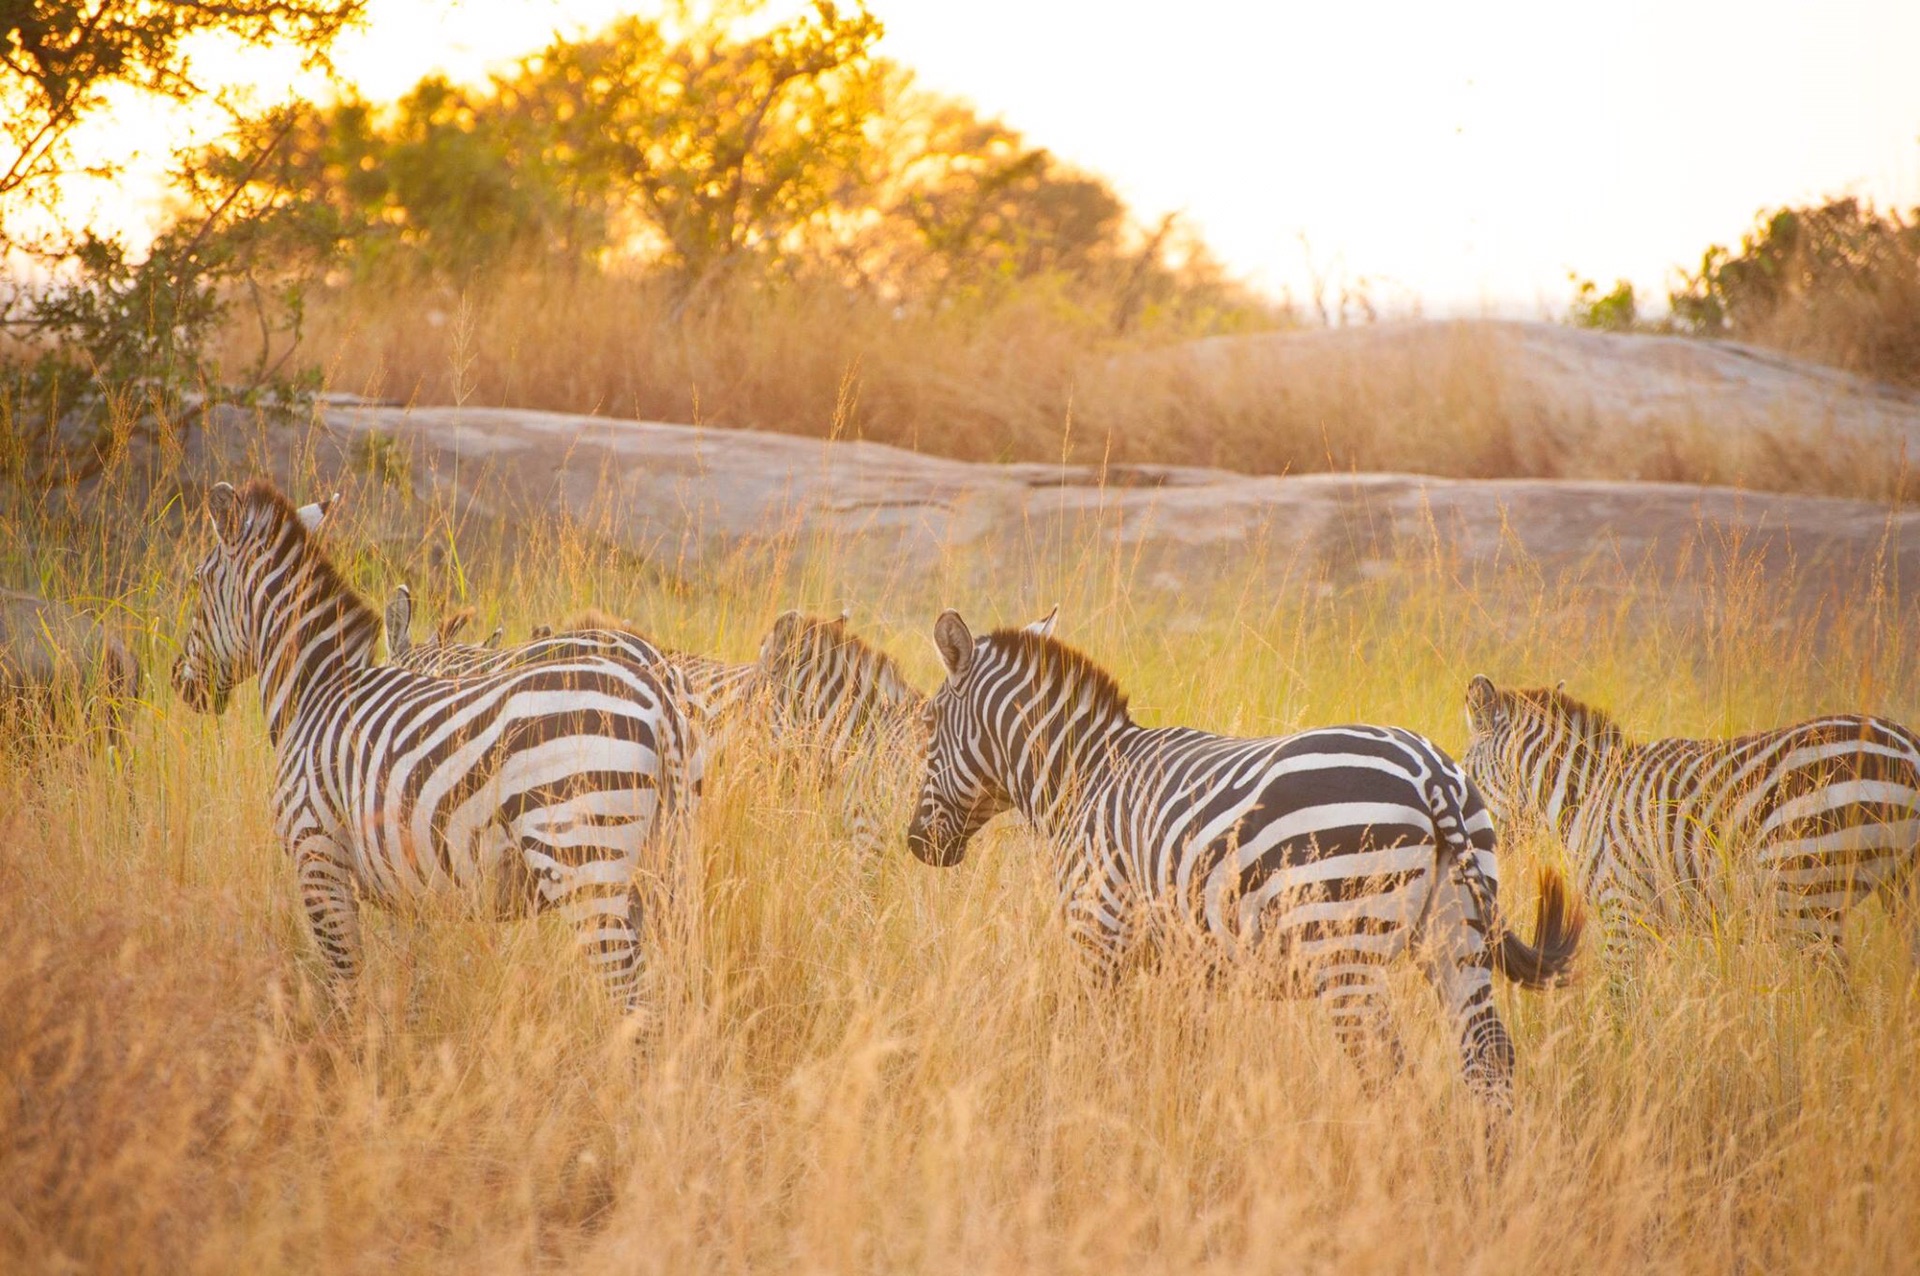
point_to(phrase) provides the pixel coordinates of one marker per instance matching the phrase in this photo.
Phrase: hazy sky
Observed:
(1465, 152)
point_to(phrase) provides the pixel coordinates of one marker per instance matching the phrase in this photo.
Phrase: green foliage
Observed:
(704, 147)
(118, 338)
(113, 338)
(59, 58)
(1839, 282)
(1615, 311)
(726, 146)
(717, 157)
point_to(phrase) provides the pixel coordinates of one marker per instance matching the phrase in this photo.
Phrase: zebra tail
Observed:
(1557, 925)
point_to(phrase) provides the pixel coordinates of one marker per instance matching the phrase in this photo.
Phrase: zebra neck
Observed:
(1054, 769)
(310, 635)
(868, 715)
(1570, 788)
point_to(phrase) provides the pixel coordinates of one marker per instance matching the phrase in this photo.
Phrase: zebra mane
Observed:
(265, 511)
(1051, 658)
(1589, 722)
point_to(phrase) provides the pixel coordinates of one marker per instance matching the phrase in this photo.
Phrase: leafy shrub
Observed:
(1839, 283)
(1615, 311)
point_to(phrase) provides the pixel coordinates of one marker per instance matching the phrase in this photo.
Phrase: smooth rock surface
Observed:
(680, 493)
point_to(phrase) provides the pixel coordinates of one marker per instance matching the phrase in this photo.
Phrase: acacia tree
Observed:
(59, 58)
(693, 144)
(729, 146)
(1839, 282)
(114, 331)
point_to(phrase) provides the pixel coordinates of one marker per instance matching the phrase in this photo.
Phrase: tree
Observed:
(58, 59)
(729, 146)
(1616, 311)
(115, 343)
(700, 147)
(1839, 282)
(717, 156)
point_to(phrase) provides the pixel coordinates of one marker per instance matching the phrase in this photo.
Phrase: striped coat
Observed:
(561, 785)
(1820, 814)
(719, 694)
(1323, 856)
(846, 707)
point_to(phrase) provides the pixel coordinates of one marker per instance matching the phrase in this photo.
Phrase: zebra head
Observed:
(806, 666)
(962, 790)
(826, 685)
(254, 534)
(1533, 751)
(1489, 736)
(399, 622)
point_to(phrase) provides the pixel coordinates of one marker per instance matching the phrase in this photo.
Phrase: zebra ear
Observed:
(1044, 625)
(539, 632)
(495, 638)
(779, 636)
(312, 515)
(223, 511)
(1483, 703)
(400, 620)
(955, 642)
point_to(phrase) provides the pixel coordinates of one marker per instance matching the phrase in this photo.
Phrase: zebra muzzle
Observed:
(936, 851)
(198, 690)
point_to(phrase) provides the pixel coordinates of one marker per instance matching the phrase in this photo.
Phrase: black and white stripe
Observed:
(1820, 814)
(1327, 854)
(564, 784)
(444, 658)
(718, 693)
(846, 707)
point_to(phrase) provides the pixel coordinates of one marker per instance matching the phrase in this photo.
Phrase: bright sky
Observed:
(1468, 153)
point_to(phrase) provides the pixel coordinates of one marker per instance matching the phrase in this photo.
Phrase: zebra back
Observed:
(445, 658)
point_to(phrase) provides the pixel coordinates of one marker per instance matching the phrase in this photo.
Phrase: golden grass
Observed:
(1031, 376)
(886, 1067)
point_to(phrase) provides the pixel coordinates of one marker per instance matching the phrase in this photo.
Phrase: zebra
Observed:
(847, 707)
(718, 693)
(1317, 857)
(1822, 813)
(444, 658)
(565, 785)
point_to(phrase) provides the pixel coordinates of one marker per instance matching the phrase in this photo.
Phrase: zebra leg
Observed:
(593, 888)
(1102, 940)
(1454, 955)
(1465, 988)
(861, 809)
(1817, 921)
(1357, 1000)
(1623, 941)
(332, 907)
(602, 905)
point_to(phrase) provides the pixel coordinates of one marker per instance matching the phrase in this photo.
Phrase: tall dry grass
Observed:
(884, 1067)
(1031, 376)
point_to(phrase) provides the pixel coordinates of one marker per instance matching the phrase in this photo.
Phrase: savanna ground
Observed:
(887, 1067)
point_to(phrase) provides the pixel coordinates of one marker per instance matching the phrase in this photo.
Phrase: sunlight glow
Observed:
(1463, 157)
